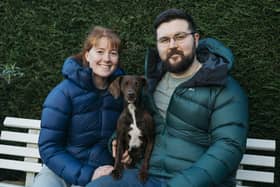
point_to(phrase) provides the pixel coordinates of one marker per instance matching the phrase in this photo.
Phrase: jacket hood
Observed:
(209, 46)
(82, 76)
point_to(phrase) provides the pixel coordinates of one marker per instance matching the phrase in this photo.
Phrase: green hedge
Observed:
(36, 37)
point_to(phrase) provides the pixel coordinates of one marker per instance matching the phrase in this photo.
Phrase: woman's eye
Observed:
(114, 53)
(99, 52)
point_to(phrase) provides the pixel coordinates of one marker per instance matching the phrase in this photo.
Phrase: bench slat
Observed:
(22, 123)
(258, 160)
(19, 137)
(2, 184)
(255, 176)
(19, 151)
(260, 144)
(20, 165)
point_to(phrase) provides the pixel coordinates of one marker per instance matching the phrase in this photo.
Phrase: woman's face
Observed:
(102, 58)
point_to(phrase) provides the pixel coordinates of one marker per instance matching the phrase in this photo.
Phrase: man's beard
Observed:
(181, 66)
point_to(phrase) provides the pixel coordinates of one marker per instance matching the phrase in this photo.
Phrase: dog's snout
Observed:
(131, 93)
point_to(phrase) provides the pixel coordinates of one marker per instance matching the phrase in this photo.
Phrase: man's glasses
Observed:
(178, 38)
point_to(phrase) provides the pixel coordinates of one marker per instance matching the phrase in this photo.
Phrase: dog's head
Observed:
(130, 86)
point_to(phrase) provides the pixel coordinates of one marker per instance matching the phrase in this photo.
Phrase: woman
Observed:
(79, 115)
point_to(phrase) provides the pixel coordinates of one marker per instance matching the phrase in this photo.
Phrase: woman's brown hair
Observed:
(93, 38)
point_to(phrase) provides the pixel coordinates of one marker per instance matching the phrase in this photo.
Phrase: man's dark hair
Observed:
(172, 14)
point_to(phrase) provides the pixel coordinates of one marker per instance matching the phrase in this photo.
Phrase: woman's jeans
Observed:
(47, 178)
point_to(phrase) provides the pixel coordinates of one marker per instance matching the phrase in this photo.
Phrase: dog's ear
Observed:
(114, 87)
(144, 81)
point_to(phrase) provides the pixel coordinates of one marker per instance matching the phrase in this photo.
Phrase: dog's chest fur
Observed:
(134, 132)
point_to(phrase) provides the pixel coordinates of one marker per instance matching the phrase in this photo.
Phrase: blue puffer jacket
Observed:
(77, 121)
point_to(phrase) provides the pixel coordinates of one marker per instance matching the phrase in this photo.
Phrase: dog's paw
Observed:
(116, 174)
(143, 176)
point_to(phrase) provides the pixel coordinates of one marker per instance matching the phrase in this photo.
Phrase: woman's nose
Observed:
(106, 57)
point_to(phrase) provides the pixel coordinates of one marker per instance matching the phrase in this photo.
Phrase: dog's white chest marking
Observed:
(135, 132)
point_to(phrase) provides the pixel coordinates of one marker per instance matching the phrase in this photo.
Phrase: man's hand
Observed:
(102, 171)
(125, 157)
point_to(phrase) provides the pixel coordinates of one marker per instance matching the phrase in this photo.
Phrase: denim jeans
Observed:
(47, 178)
(129, 179)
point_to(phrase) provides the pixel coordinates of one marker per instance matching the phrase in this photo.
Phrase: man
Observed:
(200, 111)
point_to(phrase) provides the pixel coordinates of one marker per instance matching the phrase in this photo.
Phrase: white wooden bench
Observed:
(23, 158)
(30, 157)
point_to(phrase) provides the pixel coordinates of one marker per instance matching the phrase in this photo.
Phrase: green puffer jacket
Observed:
(203, 138)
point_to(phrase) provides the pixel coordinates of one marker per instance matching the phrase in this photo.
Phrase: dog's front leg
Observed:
(118, 166)
(143, 174)
(148, 120)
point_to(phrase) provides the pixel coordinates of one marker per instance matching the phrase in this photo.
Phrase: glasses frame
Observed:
(177, 38)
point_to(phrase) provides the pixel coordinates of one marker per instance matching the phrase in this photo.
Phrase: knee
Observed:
(100, 182)
(92, 184)
(47, 178)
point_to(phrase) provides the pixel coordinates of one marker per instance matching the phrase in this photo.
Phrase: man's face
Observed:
(176, 45)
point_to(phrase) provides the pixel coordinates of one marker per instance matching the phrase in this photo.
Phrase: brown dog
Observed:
(135, 129)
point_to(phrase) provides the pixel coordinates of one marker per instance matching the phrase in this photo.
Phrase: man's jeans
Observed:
(129, 179)
(47, 178)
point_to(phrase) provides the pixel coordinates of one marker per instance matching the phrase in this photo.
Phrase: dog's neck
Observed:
(137, 105)
(131, 109)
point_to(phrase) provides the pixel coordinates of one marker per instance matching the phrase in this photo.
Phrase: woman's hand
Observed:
(125, 157)
(102, 171)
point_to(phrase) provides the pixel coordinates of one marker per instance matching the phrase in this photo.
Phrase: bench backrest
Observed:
(20, 144)
(253, 167)
(256, 167)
